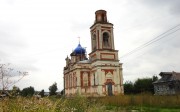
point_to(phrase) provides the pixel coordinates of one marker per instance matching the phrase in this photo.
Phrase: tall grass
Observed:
(24, 104)
(142, 100)
(82, 104)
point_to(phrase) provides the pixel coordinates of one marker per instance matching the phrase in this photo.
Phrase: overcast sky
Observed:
(37, 35)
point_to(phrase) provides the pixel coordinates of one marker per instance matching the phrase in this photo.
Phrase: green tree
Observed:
(52, 89)
(42, 93)
(154, 78)
(15, 91)
(62, 92)
(29, 91)
(128, 87)
(144, 85)
(140, 85)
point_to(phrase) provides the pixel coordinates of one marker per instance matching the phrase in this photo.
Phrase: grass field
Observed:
(121, 103)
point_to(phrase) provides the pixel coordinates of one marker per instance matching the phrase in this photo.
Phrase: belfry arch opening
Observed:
(106, 39)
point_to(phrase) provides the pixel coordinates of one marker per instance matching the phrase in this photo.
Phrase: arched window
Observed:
(66, 81)
(106, 39)
(74, 80)
(94, 42)
(94, 79)
(85, 79)
(70, 80)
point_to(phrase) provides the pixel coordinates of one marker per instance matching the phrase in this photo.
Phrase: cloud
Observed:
(13, 46)
(37, 35)
(171, 5)
(160, 56)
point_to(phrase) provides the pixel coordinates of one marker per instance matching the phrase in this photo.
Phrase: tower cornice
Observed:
(99, 23)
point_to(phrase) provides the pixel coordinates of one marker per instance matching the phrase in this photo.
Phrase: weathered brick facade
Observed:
(101, 74)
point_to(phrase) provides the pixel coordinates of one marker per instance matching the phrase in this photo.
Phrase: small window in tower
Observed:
(106, 39)
(102, 17)
(94, 42)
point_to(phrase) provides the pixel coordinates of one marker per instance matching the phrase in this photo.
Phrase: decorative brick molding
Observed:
(108, 70)
(105, 56)
(109, 81)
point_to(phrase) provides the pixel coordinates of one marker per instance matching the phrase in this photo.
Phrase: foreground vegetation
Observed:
(126, 103)
(143, 102)
(52, 104)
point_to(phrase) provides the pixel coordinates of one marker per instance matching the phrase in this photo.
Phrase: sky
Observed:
(37, 35)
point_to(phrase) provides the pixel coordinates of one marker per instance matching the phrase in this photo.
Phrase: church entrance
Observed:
(109, 85)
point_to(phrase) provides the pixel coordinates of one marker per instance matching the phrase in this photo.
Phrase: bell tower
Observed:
(104, 58)
(102, 37)
(102, 32)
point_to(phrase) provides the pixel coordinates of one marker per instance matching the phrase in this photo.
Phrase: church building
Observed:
(101, 73)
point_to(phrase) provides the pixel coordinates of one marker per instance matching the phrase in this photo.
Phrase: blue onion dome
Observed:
(79, 50)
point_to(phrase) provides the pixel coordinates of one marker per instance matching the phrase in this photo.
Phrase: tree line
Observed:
(7, 75)
(141, 85)
(30, 91)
